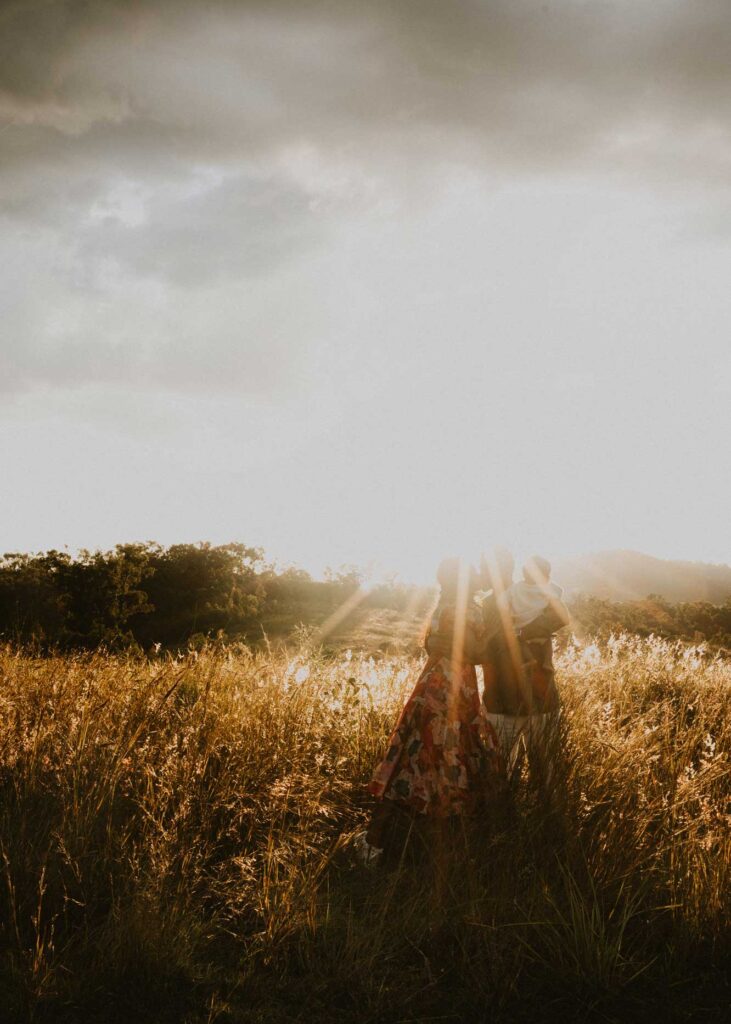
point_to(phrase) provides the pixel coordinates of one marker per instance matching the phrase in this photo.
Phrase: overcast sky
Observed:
(364, 281)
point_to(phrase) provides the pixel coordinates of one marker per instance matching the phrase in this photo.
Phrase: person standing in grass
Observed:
(520, 697)
(442, 752)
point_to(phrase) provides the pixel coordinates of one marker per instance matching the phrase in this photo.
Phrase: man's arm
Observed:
(475, 647)
(440, 642)
(441, 645)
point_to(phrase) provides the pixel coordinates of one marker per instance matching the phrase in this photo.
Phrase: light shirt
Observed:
(526, 601)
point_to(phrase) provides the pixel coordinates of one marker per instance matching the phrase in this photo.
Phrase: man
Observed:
(520, 696)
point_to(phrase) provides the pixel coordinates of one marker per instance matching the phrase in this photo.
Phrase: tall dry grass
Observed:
(175, 846)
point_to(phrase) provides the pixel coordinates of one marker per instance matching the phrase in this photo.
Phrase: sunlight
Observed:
(340, 614)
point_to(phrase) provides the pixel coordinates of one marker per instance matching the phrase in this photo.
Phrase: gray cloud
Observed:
(237, 133)
(241, 226)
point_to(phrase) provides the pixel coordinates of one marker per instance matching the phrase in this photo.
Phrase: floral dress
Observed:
(443, 753)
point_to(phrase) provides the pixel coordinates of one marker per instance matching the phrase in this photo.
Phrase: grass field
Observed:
(175, 845)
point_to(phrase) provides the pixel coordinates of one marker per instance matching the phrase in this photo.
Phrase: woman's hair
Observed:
(451, 574)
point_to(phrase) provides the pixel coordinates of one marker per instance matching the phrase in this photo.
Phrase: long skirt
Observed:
(443, 754)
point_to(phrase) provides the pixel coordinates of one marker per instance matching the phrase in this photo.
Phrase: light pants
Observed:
(534, 734)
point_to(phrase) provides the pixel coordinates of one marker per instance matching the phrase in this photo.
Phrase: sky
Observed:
(366, 282)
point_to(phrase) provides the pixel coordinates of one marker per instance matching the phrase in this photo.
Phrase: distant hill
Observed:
(631, 576)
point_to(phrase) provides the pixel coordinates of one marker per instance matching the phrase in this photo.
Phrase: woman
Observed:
(442, 746)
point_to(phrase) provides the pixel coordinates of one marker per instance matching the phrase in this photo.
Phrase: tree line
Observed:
(147, 595)
(691, 621)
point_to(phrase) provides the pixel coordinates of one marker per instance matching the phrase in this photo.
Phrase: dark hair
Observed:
(451, 574)
(497, 568)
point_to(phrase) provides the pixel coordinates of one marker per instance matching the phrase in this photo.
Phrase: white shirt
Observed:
(526, 601)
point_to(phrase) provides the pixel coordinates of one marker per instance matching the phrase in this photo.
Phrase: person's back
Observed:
(502, 658)
(520, 697)
(520, 620)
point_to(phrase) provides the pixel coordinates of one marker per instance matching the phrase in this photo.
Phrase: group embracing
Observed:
(451, 749)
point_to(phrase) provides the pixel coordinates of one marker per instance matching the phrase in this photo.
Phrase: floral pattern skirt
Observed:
(443, 754)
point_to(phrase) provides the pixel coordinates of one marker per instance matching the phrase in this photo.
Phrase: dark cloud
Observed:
(147, 87)
(521, 79)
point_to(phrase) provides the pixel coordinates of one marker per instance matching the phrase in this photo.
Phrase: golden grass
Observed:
(175, 844)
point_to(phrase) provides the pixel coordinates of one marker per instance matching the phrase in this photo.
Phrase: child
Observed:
(532, 595)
